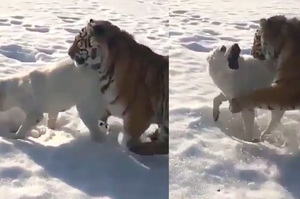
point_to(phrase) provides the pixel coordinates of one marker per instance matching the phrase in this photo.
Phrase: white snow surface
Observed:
(65, 163)
(210, 160)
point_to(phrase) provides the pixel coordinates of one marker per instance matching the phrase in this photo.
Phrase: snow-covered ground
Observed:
(65, 163)
(210, 160)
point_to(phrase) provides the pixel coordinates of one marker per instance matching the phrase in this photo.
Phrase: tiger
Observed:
(133, 80)
(256, 47)
(279, 40)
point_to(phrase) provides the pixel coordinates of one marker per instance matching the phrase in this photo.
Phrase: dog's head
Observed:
(221, 56)
(216, 56)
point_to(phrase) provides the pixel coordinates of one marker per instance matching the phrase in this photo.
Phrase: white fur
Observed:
(252, 74)
(52, 90)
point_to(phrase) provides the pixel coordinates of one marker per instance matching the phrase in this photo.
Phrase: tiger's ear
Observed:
(262, 22)
(91, 21)
(236, 48)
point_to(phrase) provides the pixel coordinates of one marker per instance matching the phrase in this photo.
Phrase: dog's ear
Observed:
(233, 57)
(236, 50)
(223, 49)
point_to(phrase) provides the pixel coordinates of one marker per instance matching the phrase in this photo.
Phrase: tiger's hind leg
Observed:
(135, 128)
(276, 116)
(159, 144)
(135, 124)
(154, 136)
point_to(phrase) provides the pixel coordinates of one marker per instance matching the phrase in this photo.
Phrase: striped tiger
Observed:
(256, 47)
(279, 40)
(133, 79)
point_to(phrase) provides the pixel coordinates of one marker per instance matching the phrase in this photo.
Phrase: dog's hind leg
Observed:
(276, 116)
(216, 105)
(32, 119)
(30, 103)
(51, 121)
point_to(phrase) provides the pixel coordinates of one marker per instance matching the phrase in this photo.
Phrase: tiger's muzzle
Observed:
(72, 51)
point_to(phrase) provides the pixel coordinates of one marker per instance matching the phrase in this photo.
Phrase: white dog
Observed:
(52, 90)
(237, 75)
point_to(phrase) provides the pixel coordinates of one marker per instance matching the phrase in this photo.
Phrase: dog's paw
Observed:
(216, 114)
(39, 131)
(35, 133)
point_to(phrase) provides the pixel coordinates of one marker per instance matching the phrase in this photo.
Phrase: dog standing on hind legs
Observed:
(234, 75)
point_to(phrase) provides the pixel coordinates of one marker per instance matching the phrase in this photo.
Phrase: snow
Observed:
(210, 160)
(65, 163)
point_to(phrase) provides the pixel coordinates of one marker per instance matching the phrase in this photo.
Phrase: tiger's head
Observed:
(89, 46)
(256, 51)
(270, 38)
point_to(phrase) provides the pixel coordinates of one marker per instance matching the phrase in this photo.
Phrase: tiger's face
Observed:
(85, 50)
(256, 51)
(272, 36)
